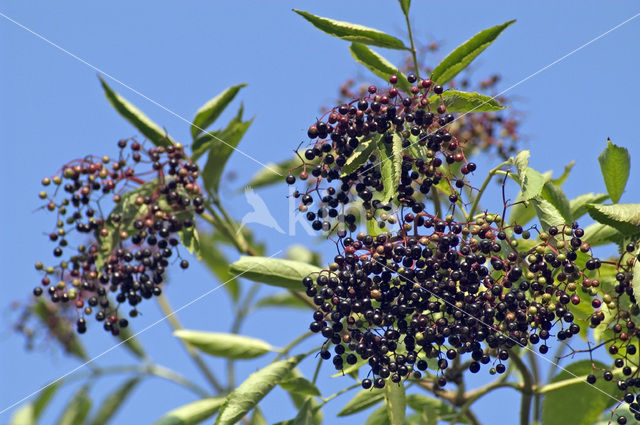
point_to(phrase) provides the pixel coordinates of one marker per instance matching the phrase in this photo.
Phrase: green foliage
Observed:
(221, 145)
(462, 55)
(362, 401)
(77, 409)
(396, 403)
(463, 102)
(352, 32)
(300, 385)
(110, 405)
(361, 154)
(390, 163)
(230, 346)
(244, 398)
(210, 111)
(586, 402)
(433, 410)
(624, 217)
(377, 64)
(192, 413)
(136, 118)
(273, 271)
(216, 261)
(615, 163)
(282, 299)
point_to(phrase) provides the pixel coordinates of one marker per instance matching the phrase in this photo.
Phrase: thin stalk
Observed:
(435, 197)
(191, 351)
(243, 246)
(317, 371)
(537, 399)
(486, 181)
(567, 382)
(151, 369)
(241, 314)
(413, 47)
(292, 344)
(529, 386)
(342, 391)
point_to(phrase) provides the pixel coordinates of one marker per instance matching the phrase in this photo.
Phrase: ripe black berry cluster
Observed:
(361, 142)
(419, 290)
(152, 195)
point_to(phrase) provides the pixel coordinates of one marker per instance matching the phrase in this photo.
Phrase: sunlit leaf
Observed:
(137, 118)
(352, 32)
(462, 55)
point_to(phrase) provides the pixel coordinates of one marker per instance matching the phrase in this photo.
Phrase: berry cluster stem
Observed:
(413, 47)
(528, 388)
(485, 183)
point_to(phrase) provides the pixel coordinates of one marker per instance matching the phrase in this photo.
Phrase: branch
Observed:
(529, 387)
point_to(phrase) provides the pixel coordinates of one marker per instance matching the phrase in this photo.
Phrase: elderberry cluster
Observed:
(361, 142)
(420, 290)
(153, 197)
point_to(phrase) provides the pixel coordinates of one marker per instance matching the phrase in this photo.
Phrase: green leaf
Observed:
(305, 415)
(215, 260)
(222, 144)
(547, 213)
(405, 5)
(579, 205)
(300, 399)
(274, 271)
(462, 55)
(128, 210)
(136, 118)
(353, 32)
(554, 194)
(531, 181)
(131, 343)
(258, 418)
(113, 402)
(78, 408)
(379, 417)
(282, 299)
(565, 174)
(522, 211)
(599, 234)
(44, 398)
(300, 385)
(587, 403)
(390, 166)
(614, 164)
(377, 64)
(361, 401)
(230, 346)
(23, 416)
(297, 252)
(465, 102)
(624, 217)
(361, 154)
(434, 407)
(396, 403)
(192, 413)
(210, 111)
(253, 389)
(635, 283)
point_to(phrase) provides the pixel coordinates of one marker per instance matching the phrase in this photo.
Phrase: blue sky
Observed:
(182, 54)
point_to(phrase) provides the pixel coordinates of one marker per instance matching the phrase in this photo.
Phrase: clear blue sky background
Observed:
(52, 109)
